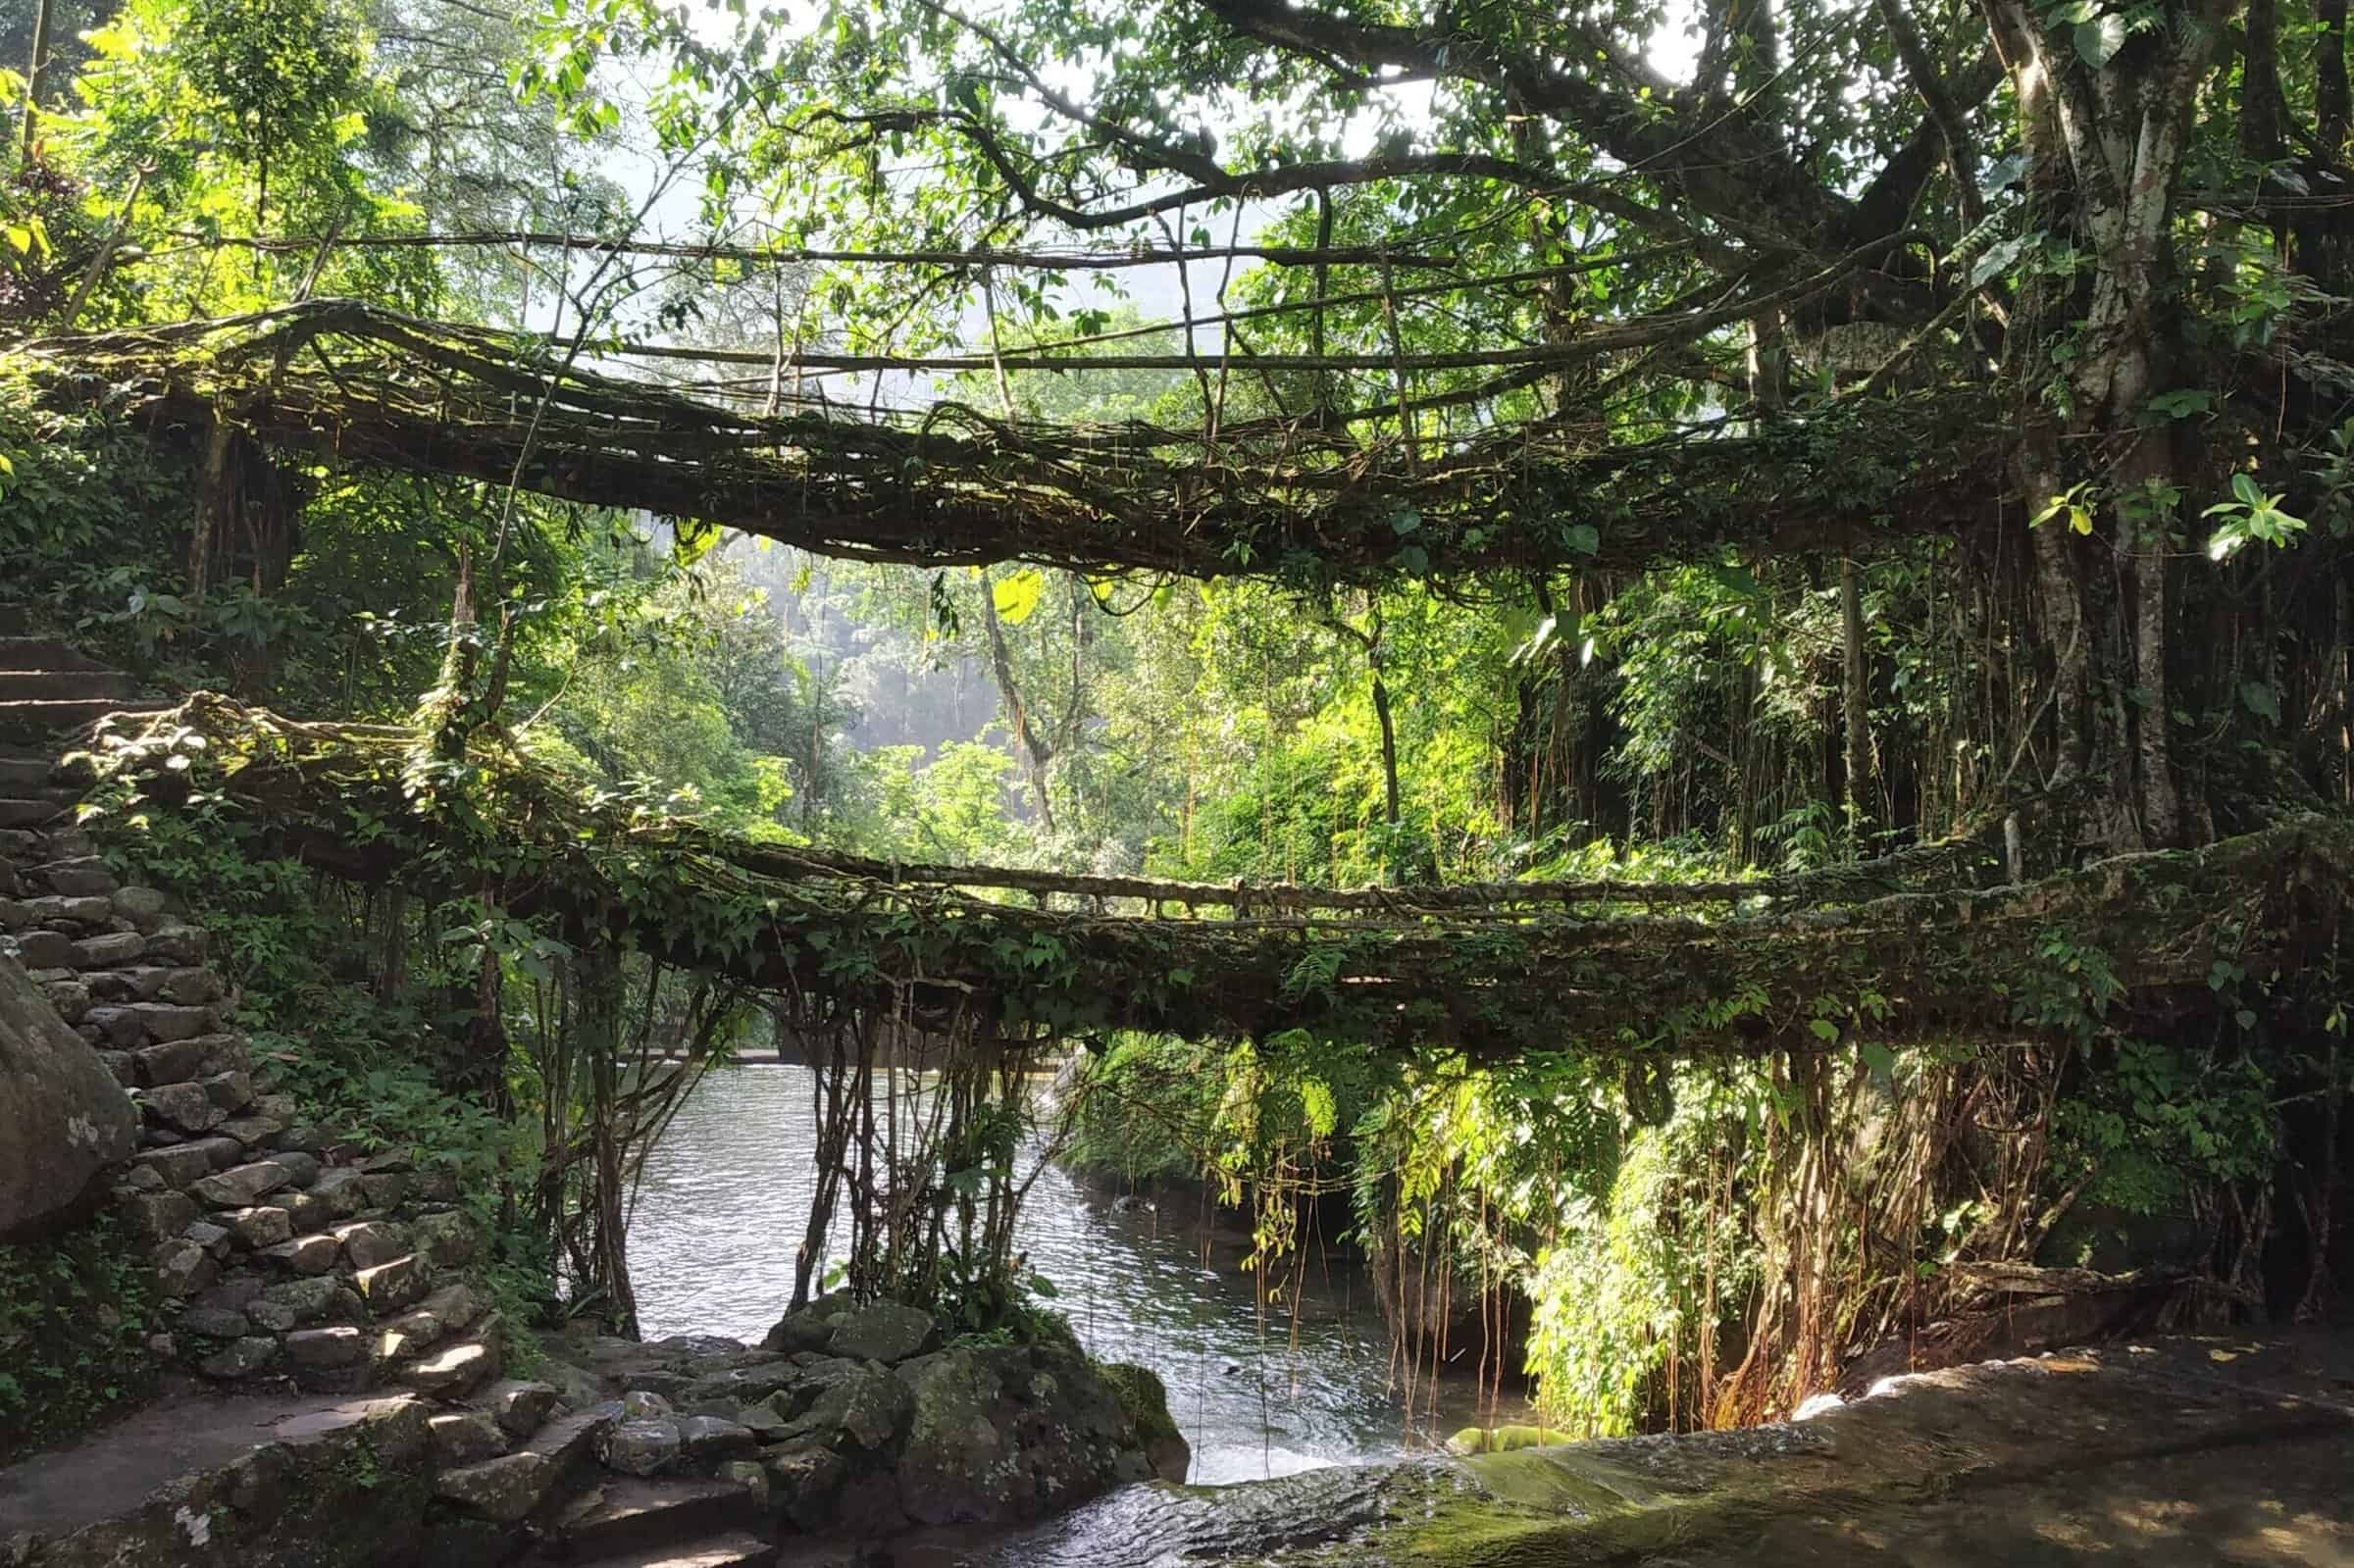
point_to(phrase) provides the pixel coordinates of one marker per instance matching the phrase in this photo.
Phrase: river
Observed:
(1258, 1394)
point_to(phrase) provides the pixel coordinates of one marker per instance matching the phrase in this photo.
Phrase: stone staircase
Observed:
(284, 1255)
(287, 1253)
(48, 690)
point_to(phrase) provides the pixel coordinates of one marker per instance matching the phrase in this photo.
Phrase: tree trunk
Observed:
(1389, 748)
(1857, 700)
(1037, 751)
(2331, 96)
(2105, 141)
(32, 76)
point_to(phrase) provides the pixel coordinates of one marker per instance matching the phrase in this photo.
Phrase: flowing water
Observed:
(1258, 1394)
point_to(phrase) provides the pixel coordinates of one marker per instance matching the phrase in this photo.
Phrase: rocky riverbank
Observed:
(849, 1428)
(860, 1422)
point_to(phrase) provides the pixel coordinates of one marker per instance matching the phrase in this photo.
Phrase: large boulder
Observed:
(887, 1332)
(64, 1119)
(809, 1328)
(1007, 1434)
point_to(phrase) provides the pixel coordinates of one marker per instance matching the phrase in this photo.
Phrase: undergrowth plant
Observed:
(76, 1315)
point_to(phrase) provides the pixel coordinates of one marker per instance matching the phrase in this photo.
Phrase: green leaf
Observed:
(1017, 593)
(1878, 1058)
(2099, 40)
(2245, 487)
(1824, 1029)
(2183, 404)
(2261, 700)
(2000, 258)
(1584, 537)
(1405, 522)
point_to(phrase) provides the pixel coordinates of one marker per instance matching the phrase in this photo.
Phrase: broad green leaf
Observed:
(1016, 594)
(2099, 40)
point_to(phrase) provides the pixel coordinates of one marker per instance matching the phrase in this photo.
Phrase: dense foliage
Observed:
(1866, 418)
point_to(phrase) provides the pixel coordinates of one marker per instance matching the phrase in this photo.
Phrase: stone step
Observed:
(627, 1516)
(455, 1370)
(17, 811)
(65, 686)
(20, 652)
(42, 720)
(733, 1548)
(514, 1486)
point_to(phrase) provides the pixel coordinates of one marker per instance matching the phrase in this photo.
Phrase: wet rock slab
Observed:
(1989, 1444)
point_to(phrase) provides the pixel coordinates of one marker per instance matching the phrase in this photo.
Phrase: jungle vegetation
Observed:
(1243, 443)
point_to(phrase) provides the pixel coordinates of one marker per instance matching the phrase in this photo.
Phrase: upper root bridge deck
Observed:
(951, 485)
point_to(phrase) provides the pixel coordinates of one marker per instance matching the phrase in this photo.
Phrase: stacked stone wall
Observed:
(281, 1252)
